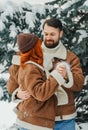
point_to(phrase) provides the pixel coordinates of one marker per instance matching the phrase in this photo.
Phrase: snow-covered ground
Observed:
(8, 117)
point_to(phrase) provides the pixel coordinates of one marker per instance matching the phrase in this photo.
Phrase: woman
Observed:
(38, 109)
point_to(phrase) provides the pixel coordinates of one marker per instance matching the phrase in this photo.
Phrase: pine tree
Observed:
(74, 16)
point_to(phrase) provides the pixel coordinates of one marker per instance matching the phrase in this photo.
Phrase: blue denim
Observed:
(23, 128)
(65, 125)
(20, 128)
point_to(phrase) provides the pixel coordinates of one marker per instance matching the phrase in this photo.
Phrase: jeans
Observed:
(23, 128)
(65, 125)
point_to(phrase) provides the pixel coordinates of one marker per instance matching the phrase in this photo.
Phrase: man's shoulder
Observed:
(71, 53)
(72, 56)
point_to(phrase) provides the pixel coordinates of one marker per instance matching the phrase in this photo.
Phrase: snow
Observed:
(69, 3)
(11, 6)
(83, 35)
(4, 76)
(86, 3)
(7, 116)
(18, 2)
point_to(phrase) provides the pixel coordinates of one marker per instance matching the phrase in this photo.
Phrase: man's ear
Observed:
(61, 34)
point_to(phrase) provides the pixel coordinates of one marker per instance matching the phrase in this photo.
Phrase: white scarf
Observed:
(49, 54)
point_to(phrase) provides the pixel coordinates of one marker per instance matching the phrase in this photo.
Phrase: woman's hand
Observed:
(23, 94)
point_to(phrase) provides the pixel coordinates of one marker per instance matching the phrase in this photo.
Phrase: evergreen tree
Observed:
(28, 18)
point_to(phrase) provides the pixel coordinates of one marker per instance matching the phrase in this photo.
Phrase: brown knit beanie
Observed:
(26, 41)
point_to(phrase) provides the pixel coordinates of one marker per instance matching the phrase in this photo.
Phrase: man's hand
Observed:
(23, 94)
(62, 70)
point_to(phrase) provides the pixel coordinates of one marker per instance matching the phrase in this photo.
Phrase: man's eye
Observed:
(46, 34)
(53, 34)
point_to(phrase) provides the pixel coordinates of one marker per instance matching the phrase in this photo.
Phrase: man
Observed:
(54, 52)
(56, 56)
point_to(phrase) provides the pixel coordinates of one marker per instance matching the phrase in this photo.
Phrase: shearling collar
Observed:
(58, 52)
(16, 61)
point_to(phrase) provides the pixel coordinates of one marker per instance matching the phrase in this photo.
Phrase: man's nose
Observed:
(48, 37)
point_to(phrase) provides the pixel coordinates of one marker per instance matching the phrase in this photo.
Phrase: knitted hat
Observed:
(26, 41)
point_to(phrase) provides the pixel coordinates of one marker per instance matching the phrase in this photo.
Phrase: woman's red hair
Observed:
(35, 55)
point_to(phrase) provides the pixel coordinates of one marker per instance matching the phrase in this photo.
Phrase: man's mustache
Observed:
(49, 41)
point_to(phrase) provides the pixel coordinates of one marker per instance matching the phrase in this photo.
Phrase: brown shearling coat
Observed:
(40, 108)
(44, 89)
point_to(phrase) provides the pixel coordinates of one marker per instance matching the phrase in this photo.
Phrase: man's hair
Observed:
(53, 22)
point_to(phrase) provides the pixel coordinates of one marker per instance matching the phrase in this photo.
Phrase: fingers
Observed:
(23, 94)
(26, 96)
(62, 70)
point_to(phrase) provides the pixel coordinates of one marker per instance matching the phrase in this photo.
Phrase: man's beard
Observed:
(51, 43)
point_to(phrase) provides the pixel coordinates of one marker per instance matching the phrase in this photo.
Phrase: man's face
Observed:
(51, 36)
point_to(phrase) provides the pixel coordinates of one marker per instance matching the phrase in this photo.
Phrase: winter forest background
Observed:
(26, 17)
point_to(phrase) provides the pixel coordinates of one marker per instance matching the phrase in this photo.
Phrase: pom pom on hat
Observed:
(26, 41)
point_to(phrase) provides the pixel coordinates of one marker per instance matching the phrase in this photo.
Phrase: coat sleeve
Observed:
(78, 78)
(39, 87)
(12, 82)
